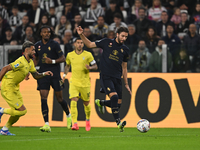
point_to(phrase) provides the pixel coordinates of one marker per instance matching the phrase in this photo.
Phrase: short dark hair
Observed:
(122, 29)
(78, 38)
(68, 1)
(118, 15)
(26, 44)
(142, 7)
(112, 2)
(46, 26)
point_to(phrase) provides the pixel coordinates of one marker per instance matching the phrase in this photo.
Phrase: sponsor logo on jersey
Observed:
(17, 65)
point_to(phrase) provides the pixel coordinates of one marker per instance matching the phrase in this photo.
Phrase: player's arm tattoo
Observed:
(67, 67)
(37, 75)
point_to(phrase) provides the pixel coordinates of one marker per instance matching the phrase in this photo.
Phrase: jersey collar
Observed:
(26, 59)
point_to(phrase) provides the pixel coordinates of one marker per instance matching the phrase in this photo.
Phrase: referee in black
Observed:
(113, 65)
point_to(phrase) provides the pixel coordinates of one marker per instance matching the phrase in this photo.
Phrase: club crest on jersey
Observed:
(39, 48)
(17, 65)
(122, 50)
(110, 45)
(49, 48)
(115, 52)
(83, 58)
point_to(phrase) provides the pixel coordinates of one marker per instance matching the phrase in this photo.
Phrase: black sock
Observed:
(45, 110)
(119, 105)
(65, 106)
(114, 107)
(105, 103)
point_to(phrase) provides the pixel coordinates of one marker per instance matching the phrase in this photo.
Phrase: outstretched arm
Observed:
(87, 42)
(124, 73)
(37, 75)
(4, 70)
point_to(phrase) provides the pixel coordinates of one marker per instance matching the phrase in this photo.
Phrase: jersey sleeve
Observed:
(58, 50)
(32, 69)
(91, 60)
(68, 60)
(126, 56)
(101, 43)
(16, 65)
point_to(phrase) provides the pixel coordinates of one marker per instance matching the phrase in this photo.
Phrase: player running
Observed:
(113, 65)
(81, 62)
(11, 75)
(49, 56)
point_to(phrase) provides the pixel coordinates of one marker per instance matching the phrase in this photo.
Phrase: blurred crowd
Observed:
(151, 23)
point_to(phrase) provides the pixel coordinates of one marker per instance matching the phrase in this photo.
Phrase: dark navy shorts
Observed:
(55, 82)
(111, 84)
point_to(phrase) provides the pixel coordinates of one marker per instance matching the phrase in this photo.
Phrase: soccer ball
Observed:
(143, 125)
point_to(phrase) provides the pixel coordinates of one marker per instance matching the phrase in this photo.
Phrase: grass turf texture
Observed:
(102, 139)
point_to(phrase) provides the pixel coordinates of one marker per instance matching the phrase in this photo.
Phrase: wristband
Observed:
(43, 74)
(53, 61)
(64, 75)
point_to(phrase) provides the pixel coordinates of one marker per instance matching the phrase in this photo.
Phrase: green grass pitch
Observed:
(30, 138)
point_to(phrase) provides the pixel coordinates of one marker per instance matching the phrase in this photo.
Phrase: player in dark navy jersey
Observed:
(48, 57)
(113, 65)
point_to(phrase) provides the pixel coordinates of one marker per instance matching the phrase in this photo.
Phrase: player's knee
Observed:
(22, 113)
(114, 101)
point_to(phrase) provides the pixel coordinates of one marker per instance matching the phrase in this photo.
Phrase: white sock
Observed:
(68, 115)
(4, 128)
(1, 110)
(47, 123)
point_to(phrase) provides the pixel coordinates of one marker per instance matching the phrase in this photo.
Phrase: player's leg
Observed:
(58, 85)
(14, 100)
(45, 110)
(74, 96)
(44, 87)
(64, 106)
(85, 96)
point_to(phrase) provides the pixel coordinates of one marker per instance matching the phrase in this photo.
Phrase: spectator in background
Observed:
(140, 59)
(24, 5)
(57, 39)
(181, 62)
(132, 39)
(188, 5)
(78, 21)
(63, 25)
(182, 28)
(112, 11)
(69, 10)
(151, 39)
(29, 35)
(155, 64)
(93, 13)
(162, 25)
(46, 4)
(101, 29)
(191, 41)
(3, 12)
(20, 30)
(196, 17)
(35, 13)
(3, 26)
(176, 18)
(68, 41)
(52, 17)
(44, 21)
(97, 55)
(156, 10)
(142, 24)
(15, 20)
(195, 67)
(8, 4)
(88, 34)
(133, 14)
(117, 22)
(111, 34)
(172, 41)
(8, 38)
